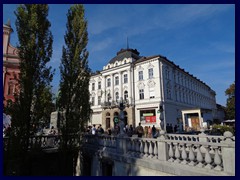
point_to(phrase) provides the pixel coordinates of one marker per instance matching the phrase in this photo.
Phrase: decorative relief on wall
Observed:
(125, 88)
(150, 65)
(140, 68)
(151, 83)
(92, 81)
(141, 85)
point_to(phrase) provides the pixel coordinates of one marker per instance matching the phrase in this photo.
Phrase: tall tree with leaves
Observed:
(35, 51)
(75, 74)
(230, 108)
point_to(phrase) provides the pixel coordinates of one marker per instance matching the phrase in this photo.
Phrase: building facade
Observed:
(154, 90)
(11, 68)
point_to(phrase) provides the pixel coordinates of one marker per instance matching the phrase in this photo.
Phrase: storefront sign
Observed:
(150, 119)
(147, 114)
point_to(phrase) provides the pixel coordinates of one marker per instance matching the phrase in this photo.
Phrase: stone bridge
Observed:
(167, 155)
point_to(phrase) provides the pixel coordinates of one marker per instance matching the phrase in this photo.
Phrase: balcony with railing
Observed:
(114, 104)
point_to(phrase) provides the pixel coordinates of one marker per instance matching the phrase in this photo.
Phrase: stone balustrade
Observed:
(45, 142)
(176, 154)
(214, 155)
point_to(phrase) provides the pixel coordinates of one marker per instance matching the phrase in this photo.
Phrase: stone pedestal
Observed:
(54, 119)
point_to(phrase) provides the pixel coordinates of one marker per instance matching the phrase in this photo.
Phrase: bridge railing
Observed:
(212, 153)
(45, 141)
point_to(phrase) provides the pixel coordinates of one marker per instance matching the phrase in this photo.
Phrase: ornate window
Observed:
(140, 75)
(141, 93)
(125, 95)
(99, 85)
(116, 80)
(93, 101)
(99, 100)
(117, 96)
(150, 73)
(125, 78)
(108, 82)
(108, 97)
(10, 89)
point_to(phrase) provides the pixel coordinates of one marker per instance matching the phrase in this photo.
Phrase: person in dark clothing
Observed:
(175, 128)
(140, 130)
(153, 131)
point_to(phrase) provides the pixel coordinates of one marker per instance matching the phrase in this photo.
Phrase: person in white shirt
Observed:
(93, 130)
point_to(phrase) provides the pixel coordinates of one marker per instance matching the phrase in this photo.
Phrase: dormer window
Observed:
(125, 61)
(116, 64)
(108, 66)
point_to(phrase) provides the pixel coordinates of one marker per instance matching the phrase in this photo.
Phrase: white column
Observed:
(130, 88)
(103, 87)
(112, 86)
(120, 85)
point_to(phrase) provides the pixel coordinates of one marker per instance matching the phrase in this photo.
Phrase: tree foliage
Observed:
(75, 73)
(35, 51)
(230, 107)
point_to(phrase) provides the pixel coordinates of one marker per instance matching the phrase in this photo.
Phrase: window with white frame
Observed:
(169, 93)
(93, 86)
(150, 73)
(99, 100)
(125, 95)
(116, 80)
(141, 93)
(108, 97)
(108, 82)
(99, 85)
(117, 96)
(93, 101)
(10, 88)
(140, 75)
(125, 78)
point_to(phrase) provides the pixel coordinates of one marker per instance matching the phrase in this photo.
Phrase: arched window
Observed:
(125, 95)
(116, 80)
(117, 96)
(125, 78)
(108, 97)
(10, 89)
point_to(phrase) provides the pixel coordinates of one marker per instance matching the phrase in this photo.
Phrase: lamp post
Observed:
(161, 117)
(121, 116)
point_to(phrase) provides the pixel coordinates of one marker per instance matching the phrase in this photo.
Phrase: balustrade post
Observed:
(202, 136)
(121, 145)
(162, 147)
(228, 153)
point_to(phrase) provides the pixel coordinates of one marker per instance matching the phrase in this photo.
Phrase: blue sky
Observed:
(198, 38)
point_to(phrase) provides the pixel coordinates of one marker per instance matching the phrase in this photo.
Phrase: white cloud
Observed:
(100, 45)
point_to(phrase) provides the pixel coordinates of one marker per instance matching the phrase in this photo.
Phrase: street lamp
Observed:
(121, 116)
(161, 117)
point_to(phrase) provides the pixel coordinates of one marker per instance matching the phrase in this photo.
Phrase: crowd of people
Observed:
(129, 130)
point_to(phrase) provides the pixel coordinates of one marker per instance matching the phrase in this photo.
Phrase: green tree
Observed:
(230, 107)
(75, 75)
(35, 51)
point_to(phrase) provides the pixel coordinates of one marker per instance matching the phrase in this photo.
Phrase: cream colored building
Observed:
(144, 82)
